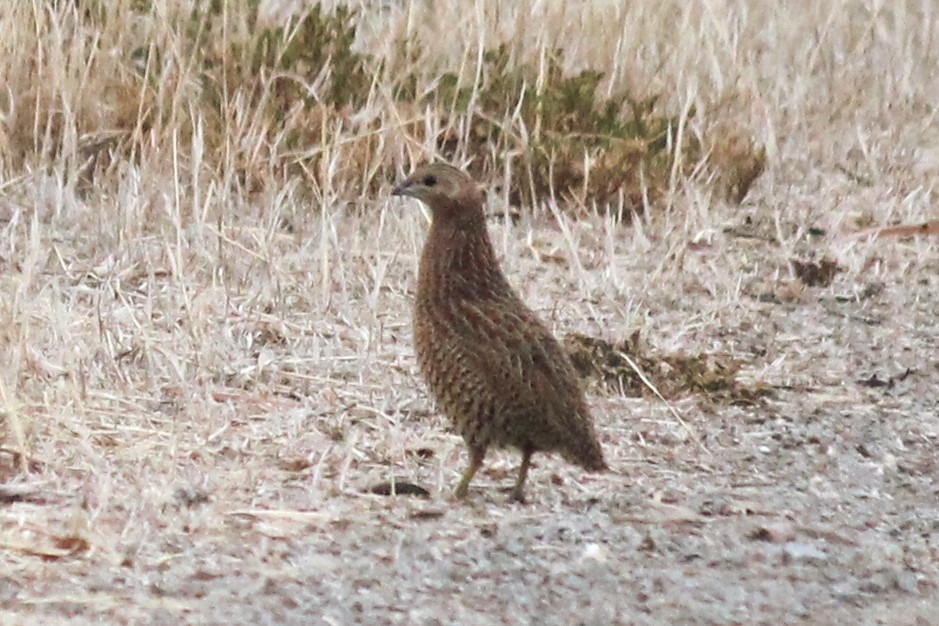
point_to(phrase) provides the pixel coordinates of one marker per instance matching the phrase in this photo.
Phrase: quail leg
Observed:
(518, 494)
(476, 461)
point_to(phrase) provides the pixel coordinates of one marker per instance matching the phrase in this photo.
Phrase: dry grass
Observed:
(206, 353)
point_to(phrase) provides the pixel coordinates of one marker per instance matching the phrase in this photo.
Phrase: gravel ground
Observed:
(817, 504)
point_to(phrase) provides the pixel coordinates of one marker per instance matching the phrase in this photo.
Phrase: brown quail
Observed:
(493, 368)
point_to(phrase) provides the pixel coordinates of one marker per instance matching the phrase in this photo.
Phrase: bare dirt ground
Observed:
(204, 406)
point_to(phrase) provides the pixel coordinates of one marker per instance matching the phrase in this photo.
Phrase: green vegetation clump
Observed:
(572, 143)
(308, 61)
(304, 77)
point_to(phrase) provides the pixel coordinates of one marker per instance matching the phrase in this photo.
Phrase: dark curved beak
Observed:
(403, 189)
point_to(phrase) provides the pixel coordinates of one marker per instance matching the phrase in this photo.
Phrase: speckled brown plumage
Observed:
(491, 365)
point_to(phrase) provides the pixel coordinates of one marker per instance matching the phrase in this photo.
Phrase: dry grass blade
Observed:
(47, 552)
(11, 418)
(280, 514)
(899, 230)
(671, 408)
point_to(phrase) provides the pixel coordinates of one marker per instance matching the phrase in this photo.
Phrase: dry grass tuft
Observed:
(713, 376)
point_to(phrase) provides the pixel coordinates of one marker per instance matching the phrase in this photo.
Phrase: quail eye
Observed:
(430, 181)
